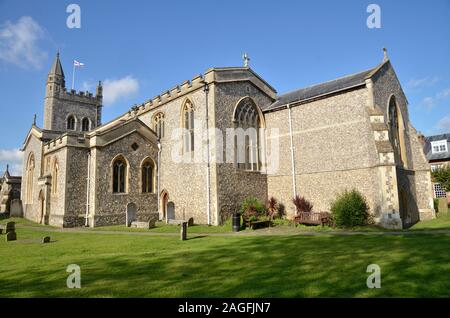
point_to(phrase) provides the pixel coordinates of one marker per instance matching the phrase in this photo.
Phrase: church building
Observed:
(182, 155)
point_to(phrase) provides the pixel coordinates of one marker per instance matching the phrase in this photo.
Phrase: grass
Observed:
(117, 265)
(442, 222)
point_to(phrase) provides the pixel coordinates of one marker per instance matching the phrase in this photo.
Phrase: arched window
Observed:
(119, 175)
(71, 122)
(158, 124)
(247, 124)
(148, 176)
(55, 170)
(30, 178)
(85, 124)
(188, 125)
(396, 128)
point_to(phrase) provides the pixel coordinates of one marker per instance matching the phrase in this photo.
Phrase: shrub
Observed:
(281, 210)
(271, 207)
(252, 208)
(350, 209)
(301, 204)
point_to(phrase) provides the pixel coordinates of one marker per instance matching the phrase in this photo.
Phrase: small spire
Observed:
(246, 59)
(385, 55)
(34, 120)
(7, 168)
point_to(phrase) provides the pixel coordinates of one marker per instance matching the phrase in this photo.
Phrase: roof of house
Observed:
(324, 88)
(440, 155)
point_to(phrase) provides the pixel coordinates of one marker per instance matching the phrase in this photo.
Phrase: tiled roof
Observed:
(440, 155)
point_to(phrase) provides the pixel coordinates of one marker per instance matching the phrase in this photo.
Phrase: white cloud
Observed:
(114, 90)
(14, 158)
(444, 124)
(429, 102)
(19, 43)
(422, 82)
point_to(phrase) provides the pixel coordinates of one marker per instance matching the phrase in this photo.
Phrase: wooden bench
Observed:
(256, 224)
(313, 218)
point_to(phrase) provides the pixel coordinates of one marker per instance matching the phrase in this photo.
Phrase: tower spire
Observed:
(56, 73)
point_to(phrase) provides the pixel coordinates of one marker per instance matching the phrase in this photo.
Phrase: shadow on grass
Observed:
(328, 266)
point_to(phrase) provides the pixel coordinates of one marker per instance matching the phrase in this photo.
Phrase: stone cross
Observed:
(246, 59)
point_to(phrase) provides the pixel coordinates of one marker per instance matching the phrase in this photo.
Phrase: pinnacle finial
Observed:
(7, 168)
(385, 57)
(246, 59)
(34, 119)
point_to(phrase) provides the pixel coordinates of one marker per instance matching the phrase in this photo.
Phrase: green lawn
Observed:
(117, 265)
(440, 223)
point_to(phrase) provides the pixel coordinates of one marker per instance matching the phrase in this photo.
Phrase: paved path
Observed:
(274, 231)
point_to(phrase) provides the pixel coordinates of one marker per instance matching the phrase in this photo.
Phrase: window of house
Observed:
(436, 167)
(439, 146)
(439, 192)
(71, 122)
(148, 176)
(188, 123)
(158, 124)
(119, 175)
(85, 124)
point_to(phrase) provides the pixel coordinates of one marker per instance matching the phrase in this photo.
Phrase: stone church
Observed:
(349, 133)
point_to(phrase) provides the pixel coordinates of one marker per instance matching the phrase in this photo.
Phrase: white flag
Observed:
(77, 63)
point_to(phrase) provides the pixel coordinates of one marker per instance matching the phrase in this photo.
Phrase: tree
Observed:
(442, 176)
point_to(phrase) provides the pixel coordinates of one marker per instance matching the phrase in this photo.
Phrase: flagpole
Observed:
(73, 74)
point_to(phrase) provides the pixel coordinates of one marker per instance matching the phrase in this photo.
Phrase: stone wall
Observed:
(333, 151)
(110, 208)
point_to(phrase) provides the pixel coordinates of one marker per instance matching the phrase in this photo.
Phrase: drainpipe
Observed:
(208, 166)
(88, 190)
(158, 181)
(294, 187)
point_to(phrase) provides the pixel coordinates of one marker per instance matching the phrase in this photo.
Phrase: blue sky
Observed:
(142, 48)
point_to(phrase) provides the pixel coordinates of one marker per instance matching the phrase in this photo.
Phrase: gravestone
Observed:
(183, 231)
(11, 236)
(443, 206)
(1, 231)
(10, 227)
(46, 239)
(16, 208)
(171, 211)
(191, 221)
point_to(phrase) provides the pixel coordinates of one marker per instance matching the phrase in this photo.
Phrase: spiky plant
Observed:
(301, 204)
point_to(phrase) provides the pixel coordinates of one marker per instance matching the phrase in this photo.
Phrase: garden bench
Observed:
(256, 224)
(313, 218)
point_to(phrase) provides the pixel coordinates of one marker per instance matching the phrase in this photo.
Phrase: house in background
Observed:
(437, 151)
(9, 191)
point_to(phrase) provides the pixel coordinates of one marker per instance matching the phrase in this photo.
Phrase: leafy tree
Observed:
(442, 176)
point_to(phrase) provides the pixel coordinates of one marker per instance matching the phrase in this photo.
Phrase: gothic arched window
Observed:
(148, 176)
(30, 178)
(55, 170)
(247, 124)
(119, 175)
(85, 124)
(396, 127)
(188, 125)
(158, 124)
(71, 122)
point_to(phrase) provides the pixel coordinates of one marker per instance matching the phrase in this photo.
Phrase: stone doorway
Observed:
(164, 200)
(131, 213)
(170, 211)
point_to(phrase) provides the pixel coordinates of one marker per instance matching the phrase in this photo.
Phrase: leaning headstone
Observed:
(11, 236)
(10, 227)
(46, 239)
(184, 231)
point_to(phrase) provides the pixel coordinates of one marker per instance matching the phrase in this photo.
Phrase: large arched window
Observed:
(188, 125)
(148, 176)
(55, 170)
(119, 175)
(85, 124)
(71, 122)
(158, 124)
(247, 123)
(30, 178)
(396, 130)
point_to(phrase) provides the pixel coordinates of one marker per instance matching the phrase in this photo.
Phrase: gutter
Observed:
(208, 166)
(294, 185)
(88, 188)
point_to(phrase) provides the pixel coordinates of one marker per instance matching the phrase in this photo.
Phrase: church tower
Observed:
(69, 111)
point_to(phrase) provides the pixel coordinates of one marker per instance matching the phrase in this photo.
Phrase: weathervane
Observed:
(246, 59)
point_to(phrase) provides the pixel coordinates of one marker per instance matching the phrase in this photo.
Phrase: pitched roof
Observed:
(329, 87)
(440, 155)
(57, 67)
